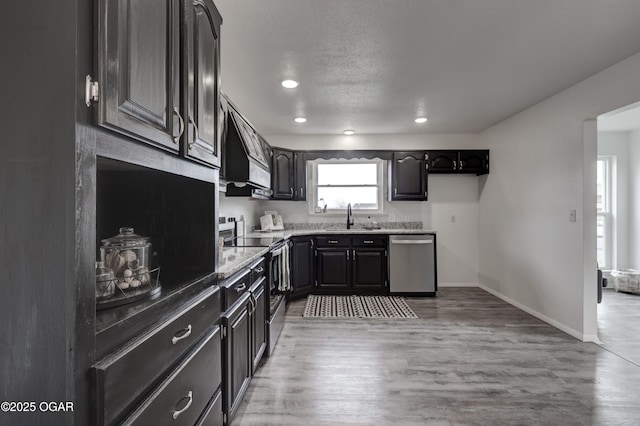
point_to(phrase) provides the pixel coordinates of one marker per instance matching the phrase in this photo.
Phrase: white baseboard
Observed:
(570, 331)
(442, 285)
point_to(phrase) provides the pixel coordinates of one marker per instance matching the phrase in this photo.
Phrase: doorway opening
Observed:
(618, 230)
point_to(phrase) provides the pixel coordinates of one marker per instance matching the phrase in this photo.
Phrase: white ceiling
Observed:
(374, 65)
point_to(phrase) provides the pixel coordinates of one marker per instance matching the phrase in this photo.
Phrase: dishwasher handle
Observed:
(411, 241)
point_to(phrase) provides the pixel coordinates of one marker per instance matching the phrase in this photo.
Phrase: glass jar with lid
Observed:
(127, 255)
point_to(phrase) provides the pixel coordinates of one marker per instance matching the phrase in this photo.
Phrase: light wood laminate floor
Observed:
(619, 324)
(470, 359)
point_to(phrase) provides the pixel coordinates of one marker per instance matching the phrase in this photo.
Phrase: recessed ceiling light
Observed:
(290, 84)
(349, 132)
(421, 120)
(300, 120)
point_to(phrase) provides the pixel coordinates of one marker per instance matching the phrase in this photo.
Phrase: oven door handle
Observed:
(276, 252)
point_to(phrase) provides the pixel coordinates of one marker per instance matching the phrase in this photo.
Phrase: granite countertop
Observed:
(232, 259)
(293, 232)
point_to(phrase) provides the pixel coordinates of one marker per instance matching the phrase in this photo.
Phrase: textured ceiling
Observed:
(374, 65)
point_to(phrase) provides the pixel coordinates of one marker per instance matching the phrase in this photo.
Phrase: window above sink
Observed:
(338, 182)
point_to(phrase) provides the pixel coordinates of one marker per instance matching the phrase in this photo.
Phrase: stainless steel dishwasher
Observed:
(412, 264)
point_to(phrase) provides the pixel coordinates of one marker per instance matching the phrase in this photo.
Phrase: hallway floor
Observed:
(619, 324)
(469, 359)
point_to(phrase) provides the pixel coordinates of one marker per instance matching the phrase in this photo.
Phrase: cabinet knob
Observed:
(176, 139)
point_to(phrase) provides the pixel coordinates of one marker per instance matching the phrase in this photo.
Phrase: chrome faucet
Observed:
(349, 217)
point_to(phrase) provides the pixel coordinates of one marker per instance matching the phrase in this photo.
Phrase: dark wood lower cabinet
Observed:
(212, 415)
(351, 264)
(185, 393)
(369, 270)
(303, 267)
(258, 322)
(237, 355)
(333, 269)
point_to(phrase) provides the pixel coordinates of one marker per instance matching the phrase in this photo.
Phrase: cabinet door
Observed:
(237, 347)
(369, 270)
(258, 324)
(442, 161)
(282, 174)
(333, 269)
(474, 161)
(300, 177)
(408, 176)
(302, 266)
(202, 81)
(139, 70)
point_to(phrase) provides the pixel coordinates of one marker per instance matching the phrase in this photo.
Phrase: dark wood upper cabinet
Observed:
(442, 161)
(282, 174)
(139, 74)
(158, 73)
(300, 176)
(288, 175)
(201, 80)
(472, 161)
(408, 176)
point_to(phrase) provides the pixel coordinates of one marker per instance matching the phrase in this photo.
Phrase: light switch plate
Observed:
(572, 215)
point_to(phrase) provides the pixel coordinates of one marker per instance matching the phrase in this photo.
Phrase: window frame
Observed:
(312, 186)
(607, 212)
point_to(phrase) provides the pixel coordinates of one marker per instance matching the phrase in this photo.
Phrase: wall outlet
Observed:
(572, 215)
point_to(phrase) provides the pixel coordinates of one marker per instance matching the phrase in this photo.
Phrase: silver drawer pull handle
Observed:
(368, 242)
(241, 287)
(186, 333)
(333, 242)
(186, 407)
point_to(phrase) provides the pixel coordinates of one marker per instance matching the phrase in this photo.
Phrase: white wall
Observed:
(239, 206)
(616, 145)
(449, 195)
(541, 167)
(634, 199)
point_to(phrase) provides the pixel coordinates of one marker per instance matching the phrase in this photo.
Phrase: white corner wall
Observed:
(541, 167)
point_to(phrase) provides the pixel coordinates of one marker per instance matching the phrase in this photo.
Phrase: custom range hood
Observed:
(246, 156)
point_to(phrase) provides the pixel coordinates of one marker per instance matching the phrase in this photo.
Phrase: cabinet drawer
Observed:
(123, 378)
(184, 394)
(367, 241)
(234, 287)
(333, 241)
(212, 415)
(258, 270)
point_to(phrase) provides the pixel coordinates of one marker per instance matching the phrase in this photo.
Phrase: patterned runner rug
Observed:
(357, 307)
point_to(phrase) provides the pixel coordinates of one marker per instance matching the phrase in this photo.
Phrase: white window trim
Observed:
(609, 212)
(312, 179)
